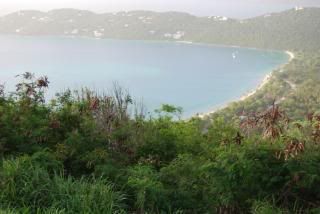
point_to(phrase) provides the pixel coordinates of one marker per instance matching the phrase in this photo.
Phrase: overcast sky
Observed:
(230, 8)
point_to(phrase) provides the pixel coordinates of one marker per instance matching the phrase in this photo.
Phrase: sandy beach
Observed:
(263, 83)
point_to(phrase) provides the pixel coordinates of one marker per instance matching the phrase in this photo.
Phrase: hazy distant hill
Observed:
(298, 28)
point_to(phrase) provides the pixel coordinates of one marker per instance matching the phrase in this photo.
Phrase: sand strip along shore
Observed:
(263, 83)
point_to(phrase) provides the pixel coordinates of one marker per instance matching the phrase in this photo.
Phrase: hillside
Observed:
(84, 153)
(298, 28)
(294, 87)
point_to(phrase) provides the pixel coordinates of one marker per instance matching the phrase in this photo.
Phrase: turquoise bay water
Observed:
(195, 77)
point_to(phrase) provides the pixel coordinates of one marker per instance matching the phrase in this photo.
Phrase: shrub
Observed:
(146, 188)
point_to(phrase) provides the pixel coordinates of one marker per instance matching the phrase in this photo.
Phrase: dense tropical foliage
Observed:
(88, 153)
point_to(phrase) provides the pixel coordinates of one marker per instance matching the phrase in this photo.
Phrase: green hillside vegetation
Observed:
(295, 87)
(89, 153)
(293, 29)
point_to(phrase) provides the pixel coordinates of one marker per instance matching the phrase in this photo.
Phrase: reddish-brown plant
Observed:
(271, 122)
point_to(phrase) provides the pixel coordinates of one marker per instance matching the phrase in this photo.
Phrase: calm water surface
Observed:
(195, 77)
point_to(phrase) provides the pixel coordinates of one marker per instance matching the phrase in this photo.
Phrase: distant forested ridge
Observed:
(298, 28)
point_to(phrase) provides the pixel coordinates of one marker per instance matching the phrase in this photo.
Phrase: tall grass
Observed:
(27, 210)
(25, 184)
(85, 195)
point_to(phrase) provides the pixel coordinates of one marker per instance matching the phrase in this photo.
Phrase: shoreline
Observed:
(265, 81)
(183, 42)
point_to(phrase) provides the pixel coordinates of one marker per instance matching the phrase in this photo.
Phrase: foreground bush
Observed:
(25, 183)
(86, 153)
